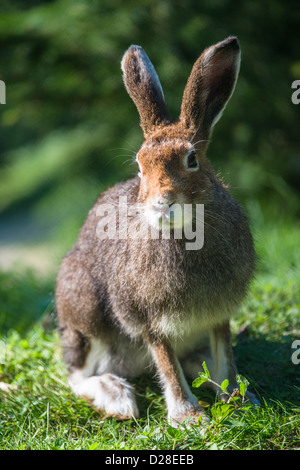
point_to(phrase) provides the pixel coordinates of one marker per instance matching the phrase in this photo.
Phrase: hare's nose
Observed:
(163, 203)
(162, 209)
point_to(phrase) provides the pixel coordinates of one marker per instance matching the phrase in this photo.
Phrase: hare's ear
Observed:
(210, 86)
(143, 86)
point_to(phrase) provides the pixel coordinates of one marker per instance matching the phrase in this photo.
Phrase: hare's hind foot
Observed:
(113, 396)
(96, 373)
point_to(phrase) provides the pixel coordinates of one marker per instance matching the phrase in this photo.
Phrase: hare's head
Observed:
(172, 164)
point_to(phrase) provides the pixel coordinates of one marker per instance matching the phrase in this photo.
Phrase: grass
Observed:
(42, 413)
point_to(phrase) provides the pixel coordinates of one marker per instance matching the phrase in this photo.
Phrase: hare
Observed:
(126, 304)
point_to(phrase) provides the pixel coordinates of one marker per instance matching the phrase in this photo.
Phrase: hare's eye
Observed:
(191, 161)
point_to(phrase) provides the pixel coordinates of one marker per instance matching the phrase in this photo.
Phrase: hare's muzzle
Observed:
(166, 214)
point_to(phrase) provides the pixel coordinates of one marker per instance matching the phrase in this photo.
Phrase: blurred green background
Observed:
(69, 130)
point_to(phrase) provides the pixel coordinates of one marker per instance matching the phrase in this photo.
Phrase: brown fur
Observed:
(215, 72)
(126, 292)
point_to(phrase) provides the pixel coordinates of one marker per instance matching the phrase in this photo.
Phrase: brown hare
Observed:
(129, 304)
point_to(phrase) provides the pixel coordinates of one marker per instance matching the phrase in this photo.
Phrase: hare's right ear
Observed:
(210, 85)
(143, 86)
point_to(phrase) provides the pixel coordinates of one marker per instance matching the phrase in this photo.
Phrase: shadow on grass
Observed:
(266, 364)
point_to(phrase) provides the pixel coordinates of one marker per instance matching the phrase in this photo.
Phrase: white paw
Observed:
(110, 394)
(115, 396)
(193, 415)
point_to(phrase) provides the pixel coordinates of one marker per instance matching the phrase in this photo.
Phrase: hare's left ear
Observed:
(143, 86)
(210, 85)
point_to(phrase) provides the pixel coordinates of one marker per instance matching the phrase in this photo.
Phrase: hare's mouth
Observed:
(168, 216)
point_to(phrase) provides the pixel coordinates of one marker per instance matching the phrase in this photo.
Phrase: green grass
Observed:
(42, 412)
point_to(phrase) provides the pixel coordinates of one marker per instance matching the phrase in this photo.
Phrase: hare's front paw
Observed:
(192, 416)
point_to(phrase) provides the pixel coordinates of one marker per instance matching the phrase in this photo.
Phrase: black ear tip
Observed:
(231, 43)
(132, 51)
(130, 54)
(134, 48)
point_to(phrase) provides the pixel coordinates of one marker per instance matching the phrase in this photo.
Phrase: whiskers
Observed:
(218, 231)
(199, 142)
(130, 153)
(216, 216)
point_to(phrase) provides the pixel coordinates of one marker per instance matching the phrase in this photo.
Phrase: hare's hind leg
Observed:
(91, 376)
(95, 351)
